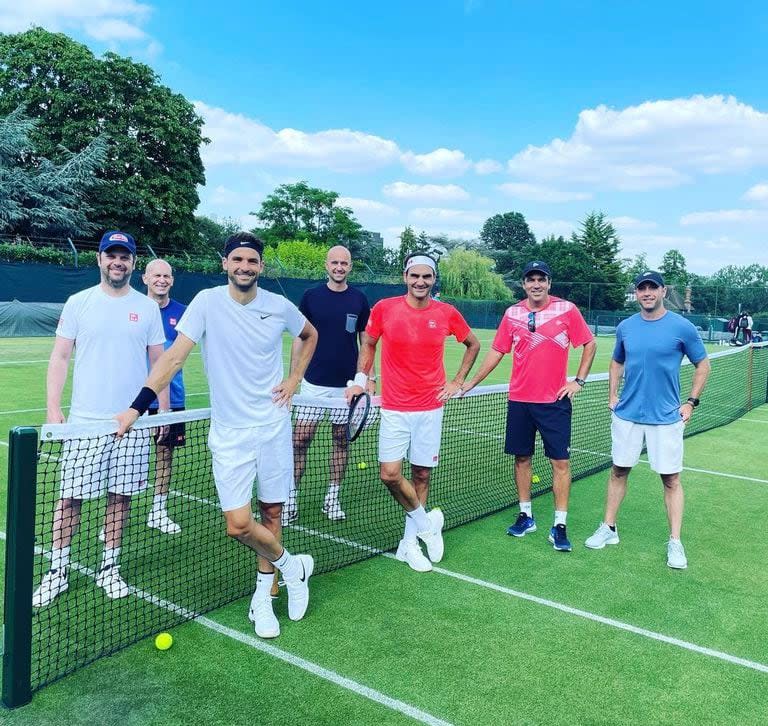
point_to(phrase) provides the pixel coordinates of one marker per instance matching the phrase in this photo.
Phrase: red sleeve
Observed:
(578, 330)
(458, 326)
(374, 326)
(502, 341)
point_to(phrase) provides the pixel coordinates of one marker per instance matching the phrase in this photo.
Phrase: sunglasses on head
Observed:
(532, 322)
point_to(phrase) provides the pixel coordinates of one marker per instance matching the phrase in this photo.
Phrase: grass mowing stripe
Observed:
(317, 670)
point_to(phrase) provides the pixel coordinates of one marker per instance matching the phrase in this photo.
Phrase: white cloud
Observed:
(103, 20)
(434, 215)
(539, 193)
(440, 163)
(757, 193)
(425, 192)
(237, 139)
(623, 224)
(654, 145)
(366, 206)
(545, 227)
(641, 242)
(725, 216)
(488, 166)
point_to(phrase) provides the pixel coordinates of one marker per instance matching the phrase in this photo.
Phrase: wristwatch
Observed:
(580, 381)
(693, 401)
(373, 378)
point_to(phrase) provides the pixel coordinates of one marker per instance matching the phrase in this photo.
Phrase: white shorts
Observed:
(663, 441)
(418, 431)
(89, 466)
(242, 455)
(337, 415)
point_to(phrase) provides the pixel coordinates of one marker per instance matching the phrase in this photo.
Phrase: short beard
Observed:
(116, 284)
(240, 286)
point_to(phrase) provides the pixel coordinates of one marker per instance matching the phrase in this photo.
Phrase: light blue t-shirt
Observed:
(652, 351)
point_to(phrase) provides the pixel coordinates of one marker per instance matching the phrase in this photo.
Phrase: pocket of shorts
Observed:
(351, 325)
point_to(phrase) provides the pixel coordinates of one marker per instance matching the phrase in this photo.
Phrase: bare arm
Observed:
(306, 344)
(365, 360)
(164, 397)
(491, 360)
(58, 365)
(571, 388)
(371, 387)
(296, 346)
(615, 374)
(451, 388)
(700, 375)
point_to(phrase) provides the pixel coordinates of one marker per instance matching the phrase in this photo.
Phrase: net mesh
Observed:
(173, 577)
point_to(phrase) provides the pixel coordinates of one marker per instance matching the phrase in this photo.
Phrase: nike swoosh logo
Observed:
(266, 316)
(303, 573)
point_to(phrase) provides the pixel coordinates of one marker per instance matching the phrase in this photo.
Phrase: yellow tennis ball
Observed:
(163, 641)
(362, 465)
(535, 479)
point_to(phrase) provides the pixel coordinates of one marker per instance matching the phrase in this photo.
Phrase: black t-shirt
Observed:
(338, 317)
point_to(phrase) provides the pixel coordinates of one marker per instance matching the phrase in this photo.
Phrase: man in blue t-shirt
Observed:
(649, 350)
(340, 314)
(158, 277)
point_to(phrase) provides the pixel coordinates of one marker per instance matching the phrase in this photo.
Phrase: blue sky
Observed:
(439, 114)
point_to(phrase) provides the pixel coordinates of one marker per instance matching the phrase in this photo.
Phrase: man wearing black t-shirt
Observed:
(340, 314)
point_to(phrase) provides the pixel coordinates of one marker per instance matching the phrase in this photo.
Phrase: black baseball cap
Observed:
(649, 276)
(537, 266)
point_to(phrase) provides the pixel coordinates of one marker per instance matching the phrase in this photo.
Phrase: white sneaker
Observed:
(54, 583)
(160, 520)
(108, 578)
(289, 515)
(263, 619)
(410, 552)
(603, 535)
(434, 538)
(332, 509)
(298, 587)
(103, 534)
(676, 558)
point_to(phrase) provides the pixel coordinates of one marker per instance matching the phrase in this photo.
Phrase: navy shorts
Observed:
(551, 420)
(177, 433)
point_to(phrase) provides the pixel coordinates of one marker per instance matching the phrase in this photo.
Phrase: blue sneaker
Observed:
(522, 525)
(559, 538)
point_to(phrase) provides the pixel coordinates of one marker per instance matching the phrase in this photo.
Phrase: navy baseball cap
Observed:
(537, 266)
(649, 276)
(117, 239)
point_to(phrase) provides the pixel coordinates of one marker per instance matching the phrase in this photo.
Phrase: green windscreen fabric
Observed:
(29, 320)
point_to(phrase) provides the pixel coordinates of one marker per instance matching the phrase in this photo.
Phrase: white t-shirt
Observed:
(242, 352)
(111, 336)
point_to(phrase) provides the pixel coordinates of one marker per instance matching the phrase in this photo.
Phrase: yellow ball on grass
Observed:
(163, 641)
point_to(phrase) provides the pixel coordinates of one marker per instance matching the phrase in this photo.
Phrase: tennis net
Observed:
(174, 577)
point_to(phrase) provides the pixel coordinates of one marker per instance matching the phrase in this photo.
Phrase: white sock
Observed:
(333, 492)
(410, 529)
(289, 565)
(527, 508)
(160, 502)
(419, 516)
(560, 516)
(60, 558)
(111, 555)
(264, 584)
(674, 539)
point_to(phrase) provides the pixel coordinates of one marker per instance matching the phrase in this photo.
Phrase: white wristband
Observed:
(361, 379)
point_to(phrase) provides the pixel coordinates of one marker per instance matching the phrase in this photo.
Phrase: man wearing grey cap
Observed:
(538, 331)
(649, 349)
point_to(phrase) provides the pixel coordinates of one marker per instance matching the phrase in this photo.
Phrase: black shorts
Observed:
(177, 433)
(551, 420)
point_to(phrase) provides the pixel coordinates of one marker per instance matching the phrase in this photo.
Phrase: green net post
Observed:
(19, 556)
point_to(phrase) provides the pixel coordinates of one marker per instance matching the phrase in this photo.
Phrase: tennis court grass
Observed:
(468, 653)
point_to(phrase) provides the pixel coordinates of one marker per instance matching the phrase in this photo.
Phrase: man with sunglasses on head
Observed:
(538, 331)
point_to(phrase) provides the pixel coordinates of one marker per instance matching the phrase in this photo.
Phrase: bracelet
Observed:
(144, 400)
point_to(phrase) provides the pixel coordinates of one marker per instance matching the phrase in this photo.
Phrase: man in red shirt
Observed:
(540, 329)
(414, 389)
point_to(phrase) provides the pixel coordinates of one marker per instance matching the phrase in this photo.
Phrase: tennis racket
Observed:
(358, 415)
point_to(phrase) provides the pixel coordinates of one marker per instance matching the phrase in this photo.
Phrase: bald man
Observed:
(340, 314)
(158, 277)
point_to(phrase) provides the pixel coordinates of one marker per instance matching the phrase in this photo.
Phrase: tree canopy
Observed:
(468, 274)
(598, 238)
(152, 167)
(510, 241)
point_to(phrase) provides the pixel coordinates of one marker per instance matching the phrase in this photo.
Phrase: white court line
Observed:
(317, 670)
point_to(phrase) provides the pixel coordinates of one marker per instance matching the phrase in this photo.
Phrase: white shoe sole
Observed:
(266, 634)
(602, 545)
(400, 556)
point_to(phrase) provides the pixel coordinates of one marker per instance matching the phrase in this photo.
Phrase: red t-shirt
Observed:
(540, 360)
(412, 369)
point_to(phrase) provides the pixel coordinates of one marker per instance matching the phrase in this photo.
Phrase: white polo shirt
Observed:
(111, 336)
(242, 352)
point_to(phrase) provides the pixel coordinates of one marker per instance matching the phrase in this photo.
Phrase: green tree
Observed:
(38, 196)
(211, 235)
(153, 165)
(510, 241)
(299, 211)
(674, 269)
(572, 271)
(468, 274)
(296, 258)
(599, 239)
(637, 266)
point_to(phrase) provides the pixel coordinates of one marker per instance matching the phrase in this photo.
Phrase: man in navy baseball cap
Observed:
(650, 276)
(117, 239)
(537, 266)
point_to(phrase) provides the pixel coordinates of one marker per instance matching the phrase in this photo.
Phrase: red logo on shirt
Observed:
(133, 317)
(172, 321)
